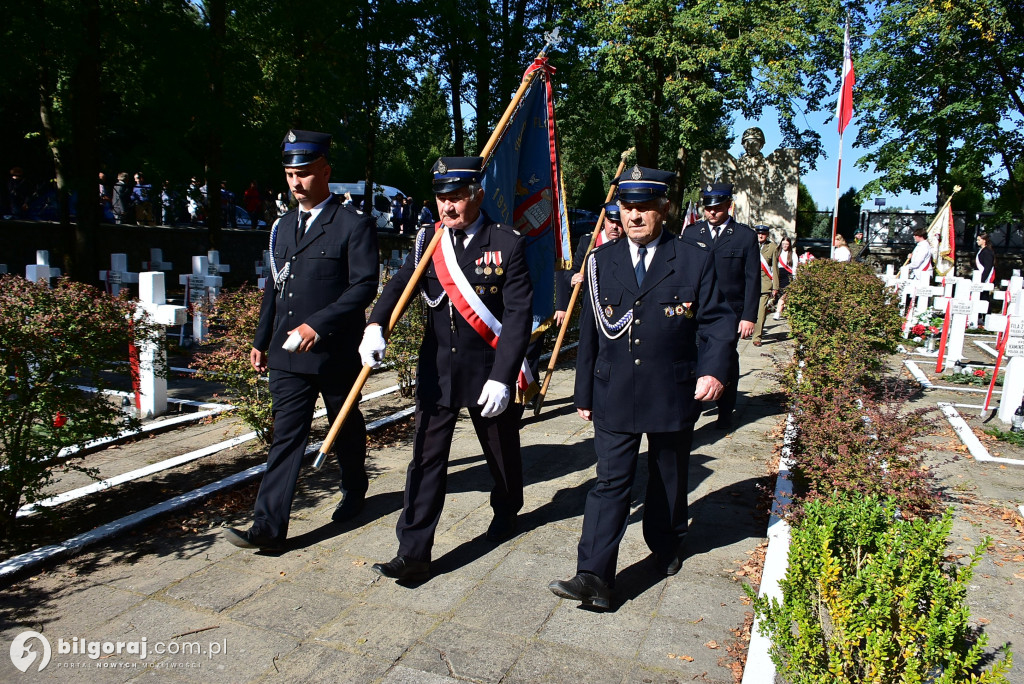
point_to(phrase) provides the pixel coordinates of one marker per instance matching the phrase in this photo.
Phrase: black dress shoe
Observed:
(349, 507)
(402, 568)
(502, 528)
(251, 539)
(588, 589)
(723, 424)
(670, 563)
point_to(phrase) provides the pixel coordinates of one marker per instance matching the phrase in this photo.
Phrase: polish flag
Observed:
(691, 215)
(844, 108)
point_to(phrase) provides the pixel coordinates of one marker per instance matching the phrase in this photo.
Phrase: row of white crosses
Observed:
(1010, 327)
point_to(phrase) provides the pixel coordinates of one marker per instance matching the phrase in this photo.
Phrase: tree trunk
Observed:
(455, 79)
(85, 158)
(217, 14)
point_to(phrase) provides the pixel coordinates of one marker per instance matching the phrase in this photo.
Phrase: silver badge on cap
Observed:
(291, 136)
(441, 167)
(637, 174)
(709, 188)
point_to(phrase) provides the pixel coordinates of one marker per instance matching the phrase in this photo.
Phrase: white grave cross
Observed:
(156, 261)
(977, 287)
(215, 267)
(263, 269)
(153, 385)
(118, 274)
(200, 288)
(41, 272)
(961, 307)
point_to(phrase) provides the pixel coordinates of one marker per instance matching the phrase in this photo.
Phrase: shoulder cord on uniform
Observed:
(612, 331)
(432, 303)
(280, 277)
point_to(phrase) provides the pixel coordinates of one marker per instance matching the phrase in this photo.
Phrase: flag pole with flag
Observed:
(537, 69)
(595, 240)
(523, 188)
(942, 238)
(844, 112)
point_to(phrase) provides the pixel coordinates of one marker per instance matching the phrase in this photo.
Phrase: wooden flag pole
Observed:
(576, 290)
(410, 288)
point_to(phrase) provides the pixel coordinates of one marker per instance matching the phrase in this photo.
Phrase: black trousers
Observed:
(606, 512)
(295, 396)
(427, 478)
(727, 402)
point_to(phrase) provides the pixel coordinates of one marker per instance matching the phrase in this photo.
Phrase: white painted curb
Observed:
(970, 440)
(759, 668)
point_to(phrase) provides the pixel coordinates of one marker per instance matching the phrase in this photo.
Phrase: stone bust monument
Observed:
(765, 187)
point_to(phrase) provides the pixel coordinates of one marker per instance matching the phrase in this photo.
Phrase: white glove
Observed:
(494, 398)
(371, 349)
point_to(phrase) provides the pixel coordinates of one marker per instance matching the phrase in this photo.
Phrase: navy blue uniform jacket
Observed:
(644, 381)
(333, 278)
(737, 263)
(455, 361)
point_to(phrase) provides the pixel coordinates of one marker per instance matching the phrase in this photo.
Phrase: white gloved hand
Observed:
(371, 349)
(494, 398)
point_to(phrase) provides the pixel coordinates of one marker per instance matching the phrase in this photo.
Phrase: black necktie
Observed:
(301, 229)
(641, 268)
(460, 244)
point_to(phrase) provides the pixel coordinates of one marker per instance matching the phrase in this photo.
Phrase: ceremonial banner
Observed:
(691, 216)
(523, 188)
(942, 238)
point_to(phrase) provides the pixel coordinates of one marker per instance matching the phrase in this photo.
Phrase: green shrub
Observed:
(224, 357)
(52, 341)
(845, 324)
(868, 597)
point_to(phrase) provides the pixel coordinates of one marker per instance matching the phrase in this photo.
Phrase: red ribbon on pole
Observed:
(995, 371)
(942, 340)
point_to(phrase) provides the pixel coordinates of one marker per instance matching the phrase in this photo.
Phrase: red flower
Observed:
(59, 420)
(917, 330)
(979, 372)
(932, 329)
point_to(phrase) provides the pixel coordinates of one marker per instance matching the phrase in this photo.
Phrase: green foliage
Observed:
(404, 343)
(870, 597)
(844, 322)
(1014, 438)
(224, 357)
(849, 213)
(52, 342)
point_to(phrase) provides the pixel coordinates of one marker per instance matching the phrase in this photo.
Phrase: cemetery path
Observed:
(317, 612)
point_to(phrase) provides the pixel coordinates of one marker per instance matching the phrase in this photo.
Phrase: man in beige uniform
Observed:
(769, 277)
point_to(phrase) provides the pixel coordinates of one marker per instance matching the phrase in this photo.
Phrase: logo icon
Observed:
(442, 168)
(637, 174)
(291, 136)
(23, 656)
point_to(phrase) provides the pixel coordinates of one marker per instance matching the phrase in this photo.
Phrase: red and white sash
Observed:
(765, 267)
(468, 303)
(786, 267)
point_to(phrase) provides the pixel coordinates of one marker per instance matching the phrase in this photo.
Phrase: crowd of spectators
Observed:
(131, 199)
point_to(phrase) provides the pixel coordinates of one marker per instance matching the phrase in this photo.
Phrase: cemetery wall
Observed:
(239, 248)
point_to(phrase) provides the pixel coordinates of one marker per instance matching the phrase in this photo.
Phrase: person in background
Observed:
(426, 218)
(121, 200)
(566, 280)
(736, 261)
(858, 248)
(920, 259)
(788, 262)
(769, 256)
(842, 252)
(142, 200)
(253, 203)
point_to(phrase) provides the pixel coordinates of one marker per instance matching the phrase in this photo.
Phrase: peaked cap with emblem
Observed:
(611, 211)
(715, 193)
(452, 173)
(300, 148)
(640, 184)
(761, 228)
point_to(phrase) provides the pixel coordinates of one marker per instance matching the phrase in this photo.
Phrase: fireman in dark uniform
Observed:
(651, 303)
(738, 265)
(478, 273)
(324, 263)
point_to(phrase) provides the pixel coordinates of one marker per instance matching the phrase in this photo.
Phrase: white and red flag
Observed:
(691, 216)
(844, 108)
